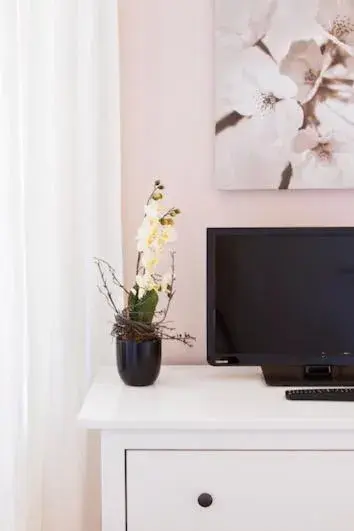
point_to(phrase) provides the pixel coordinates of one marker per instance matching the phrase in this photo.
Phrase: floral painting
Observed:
(284, 76)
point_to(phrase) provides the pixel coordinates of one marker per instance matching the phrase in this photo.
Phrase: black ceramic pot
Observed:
(138, 363)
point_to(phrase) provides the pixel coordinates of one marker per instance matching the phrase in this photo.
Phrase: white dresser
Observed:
(209, 449)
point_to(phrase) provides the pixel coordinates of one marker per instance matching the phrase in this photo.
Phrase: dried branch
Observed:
(186, 339)
(112, 273)
(172, 292)
(106, 291)
(106, 297)
(129, 329)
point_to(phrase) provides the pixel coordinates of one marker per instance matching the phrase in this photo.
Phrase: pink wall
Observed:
(166, 49)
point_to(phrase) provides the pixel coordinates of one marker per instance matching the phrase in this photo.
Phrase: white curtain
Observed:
(59, 207)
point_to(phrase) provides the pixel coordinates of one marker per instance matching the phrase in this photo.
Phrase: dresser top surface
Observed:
(205, 398)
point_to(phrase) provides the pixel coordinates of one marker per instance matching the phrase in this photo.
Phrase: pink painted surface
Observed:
(167, 126)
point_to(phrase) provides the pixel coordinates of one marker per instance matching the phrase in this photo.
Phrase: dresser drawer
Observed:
(249, 490)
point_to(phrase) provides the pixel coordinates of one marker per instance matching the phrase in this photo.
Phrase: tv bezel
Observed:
(258, 359)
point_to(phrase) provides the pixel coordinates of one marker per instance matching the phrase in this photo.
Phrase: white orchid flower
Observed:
(153, 210)
(145, 283)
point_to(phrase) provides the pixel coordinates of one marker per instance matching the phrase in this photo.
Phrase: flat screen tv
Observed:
(282, 299)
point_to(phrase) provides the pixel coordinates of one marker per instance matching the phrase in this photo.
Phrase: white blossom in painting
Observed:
(235, 31)
(258, 89)
(284, 94)
(321, 160)
(306, 65)
(337, 19)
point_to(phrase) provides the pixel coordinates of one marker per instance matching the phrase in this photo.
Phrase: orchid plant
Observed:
(141, 319)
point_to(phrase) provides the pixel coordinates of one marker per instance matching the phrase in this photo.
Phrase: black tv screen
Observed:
(280, 296)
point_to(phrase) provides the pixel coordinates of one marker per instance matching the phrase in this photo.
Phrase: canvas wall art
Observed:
(284, 87)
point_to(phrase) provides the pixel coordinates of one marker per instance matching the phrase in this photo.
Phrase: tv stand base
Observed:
(308, 375)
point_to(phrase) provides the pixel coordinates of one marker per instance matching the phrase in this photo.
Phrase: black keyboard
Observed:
(337, 394)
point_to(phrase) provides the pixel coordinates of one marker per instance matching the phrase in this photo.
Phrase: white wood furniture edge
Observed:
(222, 415)
(205, 398)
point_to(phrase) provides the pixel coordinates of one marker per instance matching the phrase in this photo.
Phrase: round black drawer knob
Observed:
(205, 500)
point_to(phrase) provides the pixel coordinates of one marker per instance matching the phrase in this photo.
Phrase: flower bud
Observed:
(157, 196)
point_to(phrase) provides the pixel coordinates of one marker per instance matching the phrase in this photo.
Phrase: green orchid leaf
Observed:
(142, 310)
